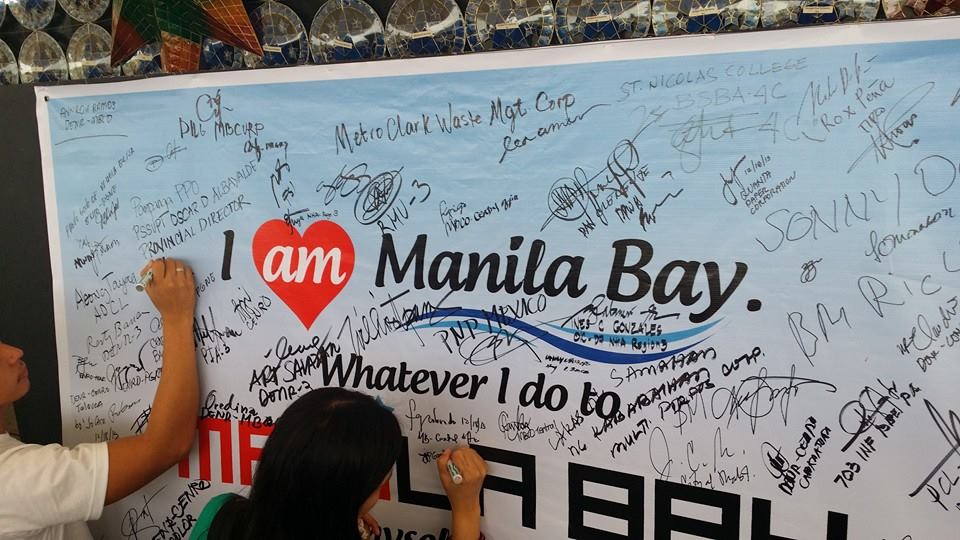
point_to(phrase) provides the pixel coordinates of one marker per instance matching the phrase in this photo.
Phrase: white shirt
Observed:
(49, 492)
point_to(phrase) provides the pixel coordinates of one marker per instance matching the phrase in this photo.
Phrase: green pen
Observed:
(144, 280)
(454, 473)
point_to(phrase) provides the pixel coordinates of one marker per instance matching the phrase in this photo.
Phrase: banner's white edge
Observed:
(932, 29)
(56, 262)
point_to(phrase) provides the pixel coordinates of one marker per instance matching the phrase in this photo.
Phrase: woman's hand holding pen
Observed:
(464, 495)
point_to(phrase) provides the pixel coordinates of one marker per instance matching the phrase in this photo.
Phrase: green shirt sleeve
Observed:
(202, 526)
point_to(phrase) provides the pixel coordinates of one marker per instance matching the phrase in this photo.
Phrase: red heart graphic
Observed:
(307, 272)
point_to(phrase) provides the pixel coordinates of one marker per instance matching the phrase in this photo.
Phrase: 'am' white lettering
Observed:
(318, 257)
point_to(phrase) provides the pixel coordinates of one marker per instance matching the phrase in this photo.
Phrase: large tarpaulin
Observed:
(705, 285)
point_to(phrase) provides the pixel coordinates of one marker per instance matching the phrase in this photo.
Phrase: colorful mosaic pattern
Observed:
(146, 61)
(216, 55)
(180, 26)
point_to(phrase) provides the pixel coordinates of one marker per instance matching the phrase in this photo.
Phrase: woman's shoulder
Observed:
(207, 515)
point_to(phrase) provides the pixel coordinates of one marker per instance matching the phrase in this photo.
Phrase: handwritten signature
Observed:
(688, 136)
(950, 432)
(867, 411)
(896, 120)
(375, 194)
(131, 526)
(755, 397)
(210, 107)
(571, 198)
(154, 162)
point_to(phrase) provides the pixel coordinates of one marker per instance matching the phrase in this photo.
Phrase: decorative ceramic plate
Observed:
(599, 20)
(509, 24)
(858, 10)
(88, 53)
(281, 34)
(85, 10)
(672, 17)
(41, 59)
(780, 13)
(345, 30)
(425, 28)
(33, 14)
(9, 71)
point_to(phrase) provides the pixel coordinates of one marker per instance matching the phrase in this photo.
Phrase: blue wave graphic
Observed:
(483, 328)
(569, 347)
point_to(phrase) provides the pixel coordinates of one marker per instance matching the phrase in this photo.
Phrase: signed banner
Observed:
(660, 291)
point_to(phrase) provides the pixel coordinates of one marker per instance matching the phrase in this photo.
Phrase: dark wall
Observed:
(26, 295)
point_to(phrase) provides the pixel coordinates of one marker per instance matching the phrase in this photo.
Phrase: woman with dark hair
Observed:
(320, 473)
